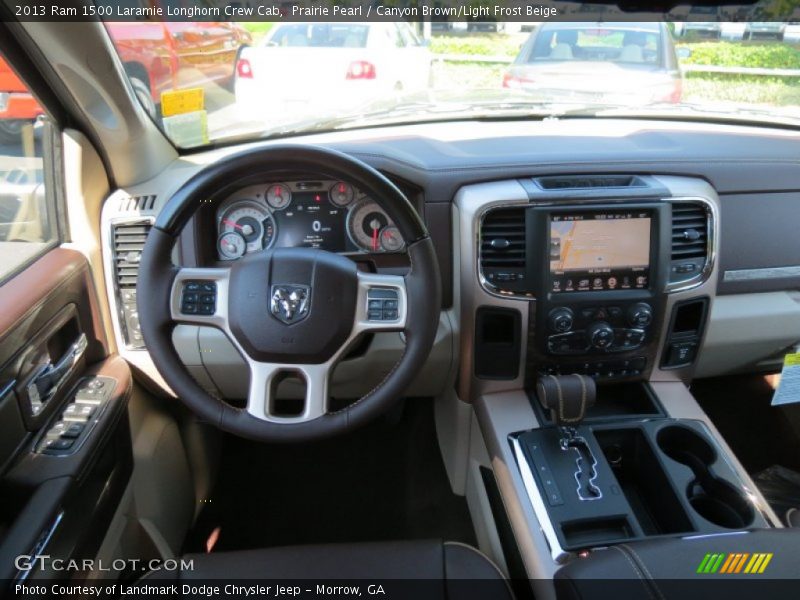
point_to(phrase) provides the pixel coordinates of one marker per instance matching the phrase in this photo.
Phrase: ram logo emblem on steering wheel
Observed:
(289, 302)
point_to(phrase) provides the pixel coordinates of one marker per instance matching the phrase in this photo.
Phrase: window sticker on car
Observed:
(187, 129)
(178, 102)
(788, 391)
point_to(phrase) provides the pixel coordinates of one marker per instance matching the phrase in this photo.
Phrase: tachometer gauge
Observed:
(279, 196)
(364, 224)
(342, 194)
(391, 240)
(231, 245)
(252, 222)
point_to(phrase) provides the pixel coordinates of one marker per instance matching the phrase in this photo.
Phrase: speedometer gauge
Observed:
(279, 196)
(252, 222)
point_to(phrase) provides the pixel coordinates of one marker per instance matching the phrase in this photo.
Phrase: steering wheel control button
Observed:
(382, 305)
(199, 298)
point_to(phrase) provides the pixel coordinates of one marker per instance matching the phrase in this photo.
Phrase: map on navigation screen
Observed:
(599, 243)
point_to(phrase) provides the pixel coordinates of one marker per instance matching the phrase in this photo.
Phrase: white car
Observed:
(311, 69)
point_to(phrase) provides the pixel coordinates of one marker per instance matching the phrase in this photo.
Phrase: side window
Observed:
(28, 223)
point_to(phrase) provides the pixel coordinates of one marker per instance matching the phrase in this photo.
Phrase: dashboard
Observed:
(309, 213)
(591, 258)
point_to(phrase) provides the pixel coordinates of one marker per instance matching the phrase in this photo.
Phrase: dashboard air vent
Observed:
(129, 239)
(134, 203)
(503, 239)
(581, 182)
(689, 231)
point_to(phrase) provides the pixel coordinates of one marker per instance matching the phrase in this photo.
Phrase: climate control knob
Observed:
(561, 320)
(640, 315)
(600, 334)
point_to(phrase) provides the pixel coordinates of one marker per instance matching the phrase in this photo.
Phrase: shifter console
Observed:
(601, 484)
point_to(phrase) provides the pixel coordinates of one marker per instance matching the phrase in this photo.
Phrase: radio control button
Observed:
(561, 320)
(640, 315)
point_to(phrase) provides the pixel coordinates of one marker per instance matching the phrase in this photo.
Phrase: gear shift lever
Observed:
(567, 397)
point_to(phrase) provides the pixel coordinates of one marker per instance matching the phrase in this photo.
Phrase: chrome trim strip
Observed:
(557, 553)
(762, 273)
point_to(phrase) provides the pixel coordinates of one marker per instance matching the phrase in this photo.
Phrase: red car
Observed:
(198, 54)
(17, 106)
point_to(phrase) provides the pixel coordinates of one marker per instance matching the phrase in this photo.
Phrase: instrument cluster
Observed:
(330, 215)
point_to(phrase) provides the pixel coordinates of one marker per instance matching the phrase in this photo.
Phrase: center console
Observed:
(579, 333)
(592, 264)
(629, 481)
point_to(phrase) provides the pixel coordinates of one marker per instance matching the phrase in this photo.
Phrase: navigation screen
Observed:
(600, 251)
(311, 221)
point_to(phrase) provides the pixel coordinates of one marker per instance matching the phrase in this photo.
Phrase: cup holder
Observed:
(713, 498)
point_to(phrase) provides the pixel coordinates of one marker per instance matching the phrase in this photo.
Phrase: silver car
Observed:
(613, 63)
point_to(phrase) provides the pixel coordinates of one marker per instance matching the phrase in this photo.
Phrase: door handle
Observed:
(50, 376)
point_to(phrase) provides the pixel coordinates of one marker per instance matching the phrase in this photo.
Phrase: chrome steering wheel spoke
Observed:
(264, 379)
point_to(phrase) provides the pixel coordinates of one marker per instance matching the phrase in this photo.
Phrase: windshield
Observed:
(205, 81)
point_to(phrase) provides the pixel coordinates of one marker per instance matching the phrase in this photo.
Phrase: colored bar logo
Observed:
(734, 562)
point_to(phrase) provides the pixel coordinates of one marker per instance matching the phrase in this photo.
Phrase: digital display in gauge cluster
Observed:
(330, 215)
(311, 221)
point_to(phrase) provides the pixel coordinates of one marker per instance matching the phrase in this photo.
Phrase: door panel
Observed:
(65, 451)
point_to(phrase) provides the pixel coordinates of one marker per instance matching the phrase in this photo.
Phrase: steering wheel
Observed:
(288, 311)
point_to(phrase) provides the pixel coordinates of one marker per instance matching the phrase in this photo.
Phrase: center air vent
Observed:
(503, 248)
(689, 231)
(689, 250)
(128, 240)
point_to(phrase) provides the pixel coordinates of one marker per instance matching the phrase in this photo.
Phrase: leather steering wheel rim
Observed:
(159, 278)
